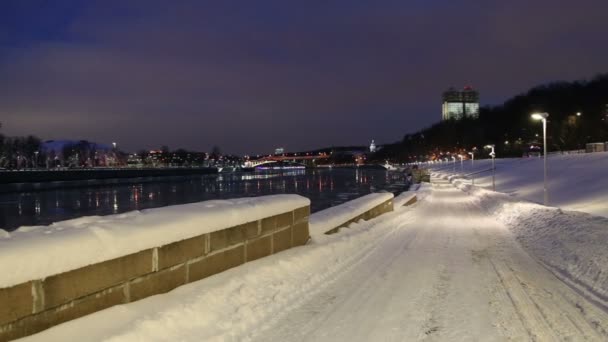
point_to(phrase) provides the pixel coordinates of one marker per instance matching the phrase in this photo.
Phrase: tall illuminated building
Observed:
(460, 104)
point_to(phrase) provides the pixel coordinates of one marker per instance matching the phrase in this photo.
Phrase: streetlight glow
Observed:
(543, 117)
(540, 116)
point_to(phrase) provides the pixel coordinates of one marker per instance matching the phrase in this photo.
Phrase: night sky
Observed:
(250, 76)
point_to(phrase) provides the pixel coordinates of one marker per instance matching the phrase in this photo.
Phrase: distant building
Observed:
(460, 104)
(372, 146)
(279, 150)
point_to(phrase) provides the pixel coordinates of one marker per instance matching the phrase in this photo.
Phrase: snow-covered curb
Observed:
(328, 219)
(572, 244)
(37, 252)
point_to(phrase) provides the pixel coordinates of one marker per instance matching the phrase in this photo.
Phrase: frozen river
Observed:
(40, 204)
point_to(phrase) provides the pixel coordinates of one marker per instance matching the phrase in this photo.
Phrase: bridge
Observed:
(305, 159)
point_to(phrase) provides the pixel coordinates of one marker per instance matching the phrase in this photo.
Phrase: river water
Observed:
(42, 204)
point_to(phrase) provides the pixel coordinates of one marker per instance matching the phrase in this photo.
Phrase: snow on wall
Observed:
(403, 198)
(40, 251)
(571, 244)
(328, 219)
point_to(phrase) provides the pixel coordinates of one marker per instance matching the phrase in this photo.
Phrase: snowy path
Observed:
(440, 270)
(451, 274)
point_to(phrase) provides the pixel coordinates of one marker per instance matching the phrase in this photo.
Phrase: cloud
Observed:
(249, 76)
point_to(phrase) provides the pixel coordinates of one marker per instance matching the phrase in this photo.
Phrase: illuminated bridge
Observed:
(304, 159)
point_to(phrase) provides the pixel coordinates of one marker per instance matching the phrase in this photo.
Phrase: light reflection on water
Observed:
(67, 200)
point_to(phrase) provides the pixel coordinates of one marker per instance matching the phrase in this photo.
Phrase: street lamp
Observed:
(543, 117)
(461, 165)
(493, 155)
(472, 166)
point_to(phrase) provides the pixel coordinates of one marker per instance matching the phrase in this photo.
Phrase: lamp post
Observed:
(472, 166)
(461, 164)
(579, 129)
(493, 155)
(543, 117)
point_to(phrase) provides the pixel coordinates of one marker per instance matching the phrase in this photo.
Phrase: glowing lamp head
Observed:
(540, 116)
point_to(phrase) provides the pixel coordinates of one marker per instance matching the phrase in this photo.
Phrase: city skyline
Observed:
(252, 77)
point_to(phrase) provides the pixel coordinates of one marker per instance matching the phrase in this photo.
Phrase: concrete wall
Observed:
(39, 304)
(378, 210)
(411, 201)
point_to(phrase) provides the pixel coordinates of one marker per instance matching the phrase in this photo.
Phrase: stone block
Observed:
(65, 287)
(301, 213)
(390, 206)
(411, 201)
(216, 263)
(156, 283)
(251, 230)
(259, 248)
(270, 224)
(16, 302)
(300, 233)
(284, 220)
(181, 251)
(78, 308)
(281, 240)
(226, 237)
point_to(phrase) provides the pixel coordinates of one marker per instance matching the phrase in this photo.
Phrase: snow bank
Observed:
(576, 181)
(40, 251)
(571, 244)
(328, 219)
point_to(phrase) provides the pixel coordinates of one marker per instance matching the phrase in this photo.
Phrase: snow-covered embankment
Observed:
(572, 244)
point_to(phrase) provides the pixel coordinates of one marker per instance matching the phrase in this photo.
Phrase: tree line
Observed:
(19, 152)
(578, 114)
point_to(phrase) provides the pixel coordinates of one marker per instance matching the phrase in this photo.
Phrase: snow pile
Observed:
(576, 181)
(572, 244)
(235, 305)
(330, 218)
(40, 251)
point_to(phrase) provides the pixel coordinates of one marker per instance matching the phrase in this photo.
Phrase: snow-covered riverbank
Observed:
(577, 182)
(446, 268)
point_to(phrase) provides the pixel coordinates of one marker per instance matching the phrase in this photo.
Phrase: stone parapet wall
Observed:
(411, 201)
(39, 304)
(376, 211)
